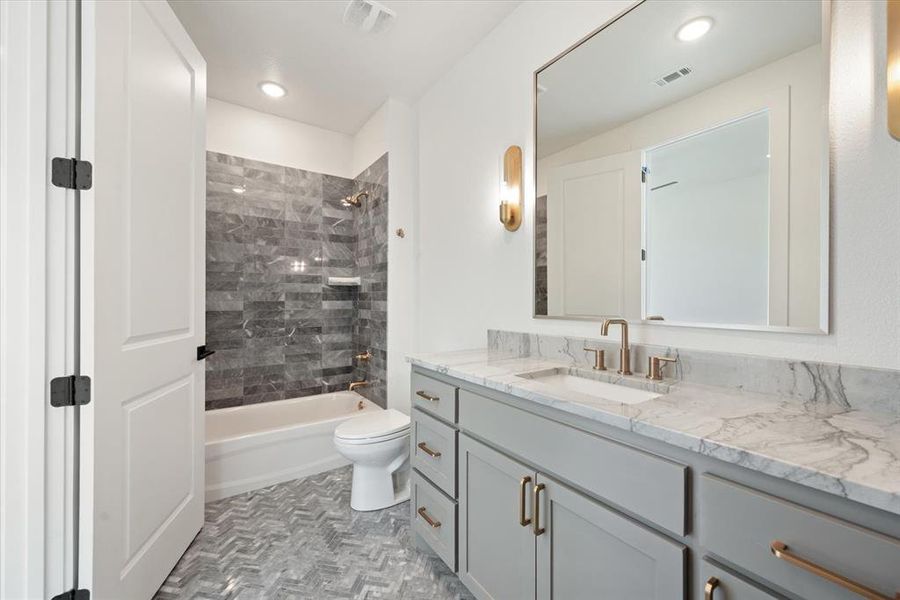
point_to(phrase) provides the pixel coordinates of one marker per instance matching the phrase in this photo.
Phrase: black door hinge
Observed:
(204, 352)
(71, 390)
(71, 173)
(644, 171)
(643, 254)
(73, 595)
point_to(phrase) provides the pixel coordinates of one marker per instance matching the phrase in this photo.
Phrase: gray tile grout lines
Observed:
(301, 540)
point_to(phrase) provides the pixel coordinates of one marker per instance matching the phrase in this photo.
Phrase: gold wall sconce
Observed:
(511, 194)
(893, 67)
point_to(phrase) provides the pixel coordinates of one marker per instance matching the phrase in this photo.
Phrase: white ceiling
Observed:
(336, 76)
(609, 80)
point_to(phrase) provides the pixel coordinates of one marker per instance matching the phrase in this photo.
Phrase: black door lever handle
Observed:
(203, 352)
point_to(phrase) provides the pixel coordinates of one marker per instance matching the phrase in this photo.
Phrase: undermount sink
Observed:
(572, 380)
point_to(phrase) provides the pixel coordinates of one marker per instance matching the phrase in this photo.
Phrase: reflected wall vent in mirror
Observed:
(673, 76)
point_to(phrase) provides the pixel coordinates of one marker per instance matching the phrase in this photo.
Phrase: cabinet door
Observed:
(588, 551)
(496, 552)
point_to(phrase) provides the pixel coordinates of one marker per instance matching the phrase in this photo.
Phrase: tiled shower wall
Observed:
(540, 255)
(274, 235)
(370, 324)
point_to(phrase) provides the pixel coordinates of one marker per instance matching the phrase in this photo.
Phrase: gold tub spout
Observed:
(358, 384)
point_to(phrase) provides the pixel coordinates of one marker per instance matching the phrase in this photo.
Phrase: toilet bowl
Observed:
(377, 444)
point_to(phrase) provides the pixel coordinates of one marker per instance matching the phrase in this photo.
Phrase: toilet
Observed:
(377, 444)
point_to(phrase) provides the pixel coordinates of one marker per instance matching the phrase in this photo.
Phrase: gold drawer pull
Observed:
(432, 453)
(537, 529)
(427, 396)
(780, 550)
(422, 513)
(523, 520)
(710, 588)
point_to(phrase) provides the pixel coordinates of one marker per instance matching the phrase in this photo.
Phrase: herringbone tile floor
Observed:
(301, 540)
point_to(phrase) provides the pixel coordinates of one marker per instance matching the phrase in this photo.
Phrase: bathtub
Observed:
(250, 447)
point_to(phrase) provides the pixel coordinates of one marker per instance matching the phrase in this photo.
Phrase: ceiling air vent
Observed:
(368, 16)
(673, 76)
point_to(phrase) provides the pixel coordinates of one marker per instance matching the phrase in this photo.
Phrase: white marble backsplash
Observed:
(820, 386)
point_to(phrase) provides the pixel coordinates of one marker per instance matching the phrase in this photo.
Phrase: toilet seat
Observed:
(374, 427)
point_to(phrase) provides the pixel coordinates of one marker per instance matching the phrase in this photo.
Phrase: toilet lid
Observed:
(372, 425)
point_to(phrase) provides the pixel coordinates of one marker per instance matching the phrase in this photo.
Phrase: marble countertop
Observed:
(851, 453)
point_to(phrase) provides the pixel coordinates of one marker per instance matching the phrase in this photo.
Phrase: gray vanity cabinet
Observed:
(589, 551)
(496, 551)
(529, 504)
(513, 521)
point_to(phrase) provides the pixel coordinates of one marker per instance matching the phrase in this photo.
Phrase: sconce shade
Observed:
(512, 197)
(893, 67)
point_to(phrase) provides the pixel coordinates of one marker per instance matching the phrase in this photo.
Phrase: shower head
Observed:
(356, 199)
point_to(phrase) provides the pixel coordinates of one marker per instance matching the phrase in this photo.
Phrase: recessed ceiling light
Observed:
(239, 189)
(694, 29)
(272, 89)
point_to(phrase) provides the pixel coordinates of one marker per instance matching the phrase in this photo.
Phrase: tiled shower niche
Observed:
(274, 235)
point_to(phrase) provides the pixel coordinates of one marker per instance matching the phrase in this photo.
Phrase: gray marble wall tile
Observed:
(370, 326)
(274, 235)
(825, 386)
(540, 255)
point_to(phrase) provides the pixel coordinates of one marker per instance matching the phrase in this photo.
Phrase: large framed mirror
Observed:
(681, 172)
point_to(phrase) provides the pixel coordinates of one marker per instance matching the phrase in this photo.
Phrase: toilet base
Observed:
(377, 488)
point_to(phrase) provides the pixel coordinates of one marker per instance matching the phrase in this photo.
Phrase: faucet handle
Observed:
(599, 358)
(655, 366)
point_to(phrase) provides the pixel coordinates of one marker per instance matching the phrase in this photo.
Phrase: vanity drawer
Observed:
(717, 583)
(434, 451)
(642, 483)
(436, 397)
(740, 525)
(428, 503)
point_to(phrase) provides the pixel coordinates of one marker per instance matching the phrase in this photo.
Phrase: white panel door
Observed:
(143, 287)
(593, 237)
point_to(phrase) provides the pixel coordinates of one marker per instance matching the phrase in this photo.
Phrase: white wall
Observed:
(402, 141)
(474, 275)
(239, 131)
(371, 141)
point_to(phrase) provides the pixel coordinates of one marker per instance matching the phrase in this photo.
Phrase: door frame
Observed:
(38, 121)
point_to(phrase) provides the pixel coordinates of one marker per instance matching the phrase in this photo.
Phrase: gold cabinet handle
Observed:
(424, 514)
(781, 551)
(523, 520)
(427, 396)
(432, 453)
(537, 529)
(710, 588)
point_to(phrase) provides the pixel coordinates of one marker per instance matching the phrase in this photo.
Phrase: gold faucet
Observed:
(364, 356)
(625, 351)
(358, 384)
